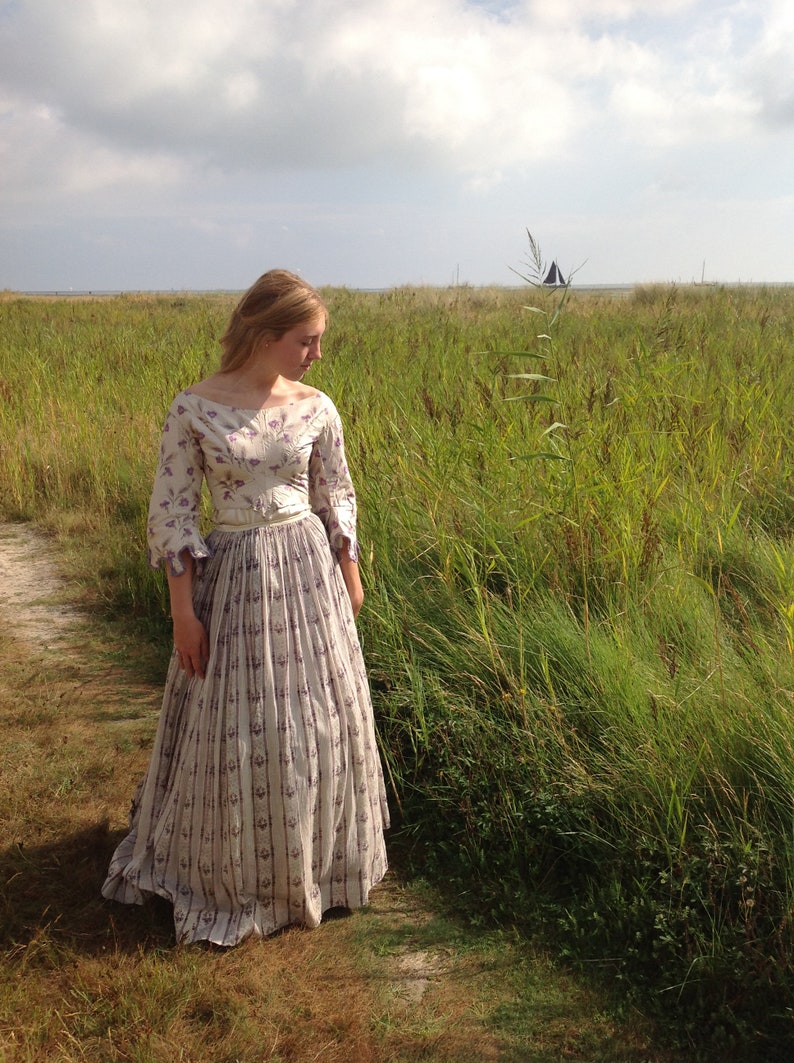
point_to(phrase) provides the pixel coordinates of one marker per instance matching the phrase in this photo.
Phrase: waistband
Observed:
(243, 519)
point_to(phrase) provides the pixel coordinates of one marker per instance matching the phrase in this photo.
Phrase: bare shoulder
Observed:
(303, 391)
(285, 392)
(214, 387)
(230, 390)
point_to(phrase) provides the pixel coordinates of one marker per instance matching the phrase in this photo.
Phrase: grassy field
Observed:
(580, 597)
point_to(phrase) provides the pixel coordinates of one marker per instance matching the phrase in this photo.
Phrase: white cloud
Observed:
(769, 67)
(476, 88)
(42, 158)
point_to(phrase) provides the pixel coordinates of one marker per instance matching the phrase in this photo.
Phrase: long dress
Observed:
(263, 804)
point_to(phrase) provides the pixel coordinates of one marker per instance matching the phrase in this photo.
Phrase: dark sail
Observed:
(554, 277)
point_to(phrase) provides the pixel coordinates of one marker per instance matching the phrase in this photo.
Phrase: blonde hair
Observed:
(274, 304)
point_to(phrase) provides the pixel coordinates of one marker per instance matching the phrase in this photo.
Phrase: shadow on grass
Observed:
(53, 891)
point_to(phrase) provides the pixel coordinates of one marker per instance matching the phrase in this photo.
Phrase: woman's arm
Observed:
(350, 575)
(190, 637)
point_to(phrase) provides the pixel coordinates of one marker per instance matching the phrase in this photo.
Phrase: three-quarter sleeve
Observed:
(331, 492)
(174, 508)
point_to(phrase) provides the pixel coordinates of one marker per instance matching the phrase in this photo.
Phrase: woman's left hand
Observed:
(350, 575)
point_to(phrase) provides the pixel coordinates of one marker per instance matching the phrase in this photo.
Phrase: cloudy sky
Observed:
(192, 144)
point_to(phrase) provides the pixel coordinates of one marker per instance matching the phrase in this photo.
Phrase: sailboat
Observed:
(554, 278)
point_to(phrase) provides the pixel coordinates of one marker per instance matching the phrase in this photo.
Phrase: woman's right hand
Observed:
(190, 638)
(191, 645)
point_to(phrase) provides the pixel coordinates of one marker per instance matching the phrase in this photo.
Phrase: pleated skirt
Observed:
(263, 804)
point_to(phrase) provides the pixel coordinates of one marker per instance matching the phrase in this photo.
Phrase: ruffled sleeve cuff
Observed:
(342, 531)
(170, 556)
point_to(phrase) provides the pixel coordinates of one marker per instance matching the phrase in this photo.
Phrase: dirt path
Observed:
(32, 588)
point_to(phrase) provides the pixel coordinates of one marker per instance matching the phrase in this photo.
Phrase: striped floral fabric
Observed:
(263, 804)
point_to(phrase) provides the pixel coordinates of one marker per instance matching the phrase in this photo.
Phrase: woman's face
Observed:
(293, 354)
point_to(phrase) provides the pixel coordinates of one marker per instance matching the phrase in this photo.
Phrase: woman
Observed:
(263, 804)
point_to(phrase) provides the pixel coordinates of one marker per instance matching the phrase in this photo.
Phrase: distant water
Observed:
(617, 288)
(134, 291)
(102, 292)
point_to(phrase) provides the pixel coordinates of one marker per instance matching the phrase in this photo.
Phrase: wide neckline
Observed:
(251, 409)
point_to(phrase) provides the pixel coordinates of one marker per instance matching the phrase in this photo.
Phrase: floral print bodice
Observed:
(261, 466)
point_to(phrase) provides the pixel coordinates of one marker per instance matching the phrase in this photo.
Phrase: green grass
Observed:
(582, 665)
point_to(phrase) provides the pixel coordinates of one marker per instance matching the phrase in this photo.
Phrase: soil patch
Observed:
(32, 590)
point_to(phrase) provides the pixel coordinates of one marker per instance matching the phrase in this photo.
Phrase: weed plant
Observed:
(582, 665)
